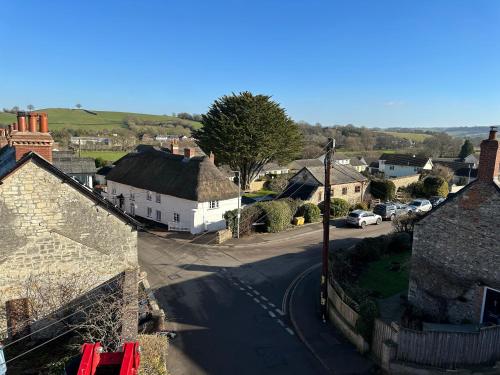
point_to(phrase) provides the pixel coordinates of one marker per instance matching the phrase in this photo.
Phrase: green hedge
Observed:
(360, 206)
(435, 186)
(339, 207)
(383, 189)
(277, 215)
(249, 215)
(311, 213)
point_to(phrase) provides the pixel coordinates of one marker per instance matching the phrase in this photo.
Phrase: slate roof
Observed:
(272, 167)
(403, 159)
(340, 174)
(356, 162)
(302, 163)
(454, 165)
(297, 190)
(72, 164)
(104, 170)
(196, 179)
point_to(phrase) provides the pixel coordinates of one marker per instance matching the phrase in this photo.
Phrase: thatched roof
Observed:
(196, 178)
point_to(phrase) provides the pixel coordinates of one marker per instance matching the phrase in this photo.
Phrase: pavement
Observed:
(229, 305)
(327, 344)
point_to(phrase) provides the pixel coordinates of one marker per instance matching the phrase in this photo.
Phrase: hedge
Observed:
(249, 215)
(277, 215)
(339, 207)
(311, 213)
(383, 189)
(435, 185)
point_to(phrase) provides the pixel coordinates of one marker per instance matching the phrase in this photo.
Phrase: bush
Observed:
(383, 189)
(416, 189)
(360, 206)
(404, 224)
(311, 212)
(278, 215)
(369, 249)
(368, 312)
(294, 205)
(277, 183)
(435, 186)
(399, 243)
(339, 207)
(249, 215)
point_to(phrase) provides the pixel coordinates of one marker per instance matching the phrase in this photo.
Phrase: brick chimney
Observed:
(174, 147)
(212, 157)
(489, 159)
(189, 152)
(25, 139)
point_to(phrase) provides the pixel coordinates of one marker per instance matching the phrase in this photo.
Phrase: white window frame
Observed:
(213, 205)
(132, 208)
(177, 217)
(158, 215)
(158, 198)
(149, 212)
(149, 196)
(485, 290)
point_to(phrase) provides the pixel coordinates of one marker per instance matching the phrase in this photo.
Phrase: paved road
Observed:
(227, 304)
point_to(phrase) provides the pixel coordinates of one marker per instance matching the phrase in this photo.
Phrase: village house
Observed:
(80, 168)
(297, 165)
(52, 224)
(185, 192)
(308, 184)
(400, 165)
(455, 267)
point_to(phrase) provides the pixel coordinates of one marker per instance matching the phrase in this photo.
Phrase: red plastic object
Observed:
(125, 362)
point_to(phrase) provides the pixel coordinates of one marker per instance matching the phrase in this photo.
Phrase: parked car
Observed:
(389, 210)
(436, 201)
(360, 218)
(419, 205)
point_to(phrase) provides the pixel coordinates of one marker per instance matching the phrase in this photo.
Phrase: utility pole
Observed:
(238, 173)
(326, 228)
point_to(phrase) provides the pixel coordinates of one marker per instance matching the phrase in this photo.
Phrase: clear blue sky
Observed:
(371, 62)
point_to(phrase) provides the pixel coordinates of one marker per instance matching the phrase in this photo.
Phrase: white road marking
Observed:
(249, 287)
(256, 300)
(292, 284)
(273, 315)
(242, 289)
(263, 306)
(257, 293)
(235, 284)
(264, 298)
(272, 304)
(248, 294)
(224, 270)
(280, 312)
(290, 331)
(280, 322)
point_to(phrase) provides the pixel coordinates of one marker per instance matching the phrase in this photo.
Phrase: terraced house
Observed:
(185, 192)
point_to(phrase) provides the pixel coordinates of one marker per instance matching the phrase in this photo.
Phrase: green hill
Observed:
(60, 118)
(416, 137)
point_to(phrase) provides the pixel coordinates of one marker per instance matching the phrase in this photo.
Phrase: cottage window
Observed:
(132, 197)
(214, 204)
(158, 215)
(391, 167)
(177, 217)
(357, 189)
(149, 196)
(150, 211)
(132, 208)
(158, 198)
(344, 191)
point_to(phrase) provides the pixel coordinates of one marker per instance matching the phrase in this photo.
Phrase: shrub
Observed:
(360, 206)
(249, 215)
(434, 185)
(369, 249)
(383, 189)
(278, 215)
(368, 312)
(416, 189)
(399, 243)
(311, 212)
(277, 183)
(294, 205)
(339, 207)
(404, 224)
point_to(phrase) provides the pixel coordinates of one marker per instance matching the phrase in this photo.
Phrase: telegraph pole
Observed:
(326, 228)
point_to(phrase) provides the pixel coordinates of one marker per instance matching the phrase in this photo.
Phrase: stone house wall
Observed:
(47, 226)
(456, 254)
(404, 181)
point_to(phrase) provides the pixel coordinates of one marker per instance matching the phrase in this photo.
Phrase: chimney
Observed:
(40, 142)
(33, 120)
(188, 152)
(174, 147)
(44, 123)
(489, 159)
(21, 121)
(212, 157)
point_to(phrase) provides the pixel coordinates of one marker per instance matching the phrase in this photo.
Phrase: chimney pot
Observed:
(33, 120)
(188, 152)
(493, 133)
(489, 159)
(174, 147)
(21, 121)
(44, 123)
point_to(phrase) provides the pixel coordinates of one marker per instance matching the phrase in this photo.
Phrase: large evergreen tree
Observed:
(466, 150)
(246, 131)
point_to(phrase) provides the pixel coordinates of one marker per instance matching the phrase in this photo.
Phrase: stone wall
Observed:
(48, 227)
(455, 255)
(404, 181)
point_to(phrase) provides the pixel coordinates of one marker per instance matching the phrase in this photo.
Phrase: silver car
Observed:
(360, 218)
(419, 205)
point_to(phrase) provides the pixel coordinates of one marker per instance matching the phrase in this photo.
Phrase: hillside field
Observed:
(60, 118)
(106, 155)
(416, 137)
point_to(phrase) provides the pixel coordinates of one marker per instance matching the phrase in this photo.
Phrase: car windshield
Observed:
(416, 203)
(354, 214)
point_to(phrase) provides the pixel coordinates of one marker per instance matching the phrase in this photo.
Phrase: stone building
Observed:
(51, 224)
(308, 184)
(455, 266)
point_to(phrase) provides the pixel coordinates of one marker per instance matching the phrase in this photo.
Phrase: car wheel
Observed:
(363, 225)
(379, 221)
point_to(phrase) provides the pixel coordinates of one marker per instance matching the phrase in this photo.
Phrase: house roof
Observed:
(104, 170)
(453, 164)
(404, 159)
(340, 174)
(273, 167)
(301, 163)
(356, 162)
(72, 164)
(196, 178)
(298, 190)
(42, 163)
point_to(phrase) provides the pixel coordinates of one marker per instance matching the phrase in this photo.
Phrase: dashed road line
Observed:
(263, 306)
(280, 312)
(272, 304)
(256, 300)
(264, 298)
(289, 330)
(257, 293)
(280, 322)
(248, 294)
(273, 315)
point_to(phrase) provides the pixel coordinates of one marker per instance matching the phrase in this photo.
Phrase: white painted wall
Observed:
(195, 217)
(391, 170)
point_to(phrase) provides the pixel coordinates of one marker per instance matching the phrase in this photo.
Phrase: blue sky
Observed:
(371, 63)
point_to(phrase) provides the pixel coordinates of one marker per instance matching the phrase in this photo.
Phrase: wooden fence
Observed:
(383, 332)
(349, 314)
(449, 349)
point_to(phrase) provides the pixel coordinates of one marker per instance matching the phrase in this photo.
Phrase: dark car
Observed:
(389, 210)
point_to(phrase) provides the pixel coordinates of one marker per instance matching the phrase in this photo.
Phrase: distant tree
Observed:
(197, 117)
(30, 107)
(441, 145)
(439, 170)
(466, 150)
(278, 183)
(100, 162)
(184, 116)
(78, 105)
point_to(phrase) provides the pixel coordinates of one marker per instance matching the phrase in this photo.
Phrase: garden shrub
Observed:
(399, 243)
(416, 189)
(311, 212)
(383, 189)
(360, 206)
(294, 205)
(368, 312)
(435, 186)
(277, 215)
(339, 207)
(277, 183)
(249, 215)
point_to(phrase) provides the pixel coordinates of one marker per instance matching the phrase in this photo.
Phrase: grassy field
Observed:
(379, 277)
(260, 193)
(416, 137)
(61, 118)
(106, 155)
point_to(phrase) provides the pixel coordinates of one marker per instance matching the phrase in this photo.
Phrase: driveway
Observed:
(227, 304)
